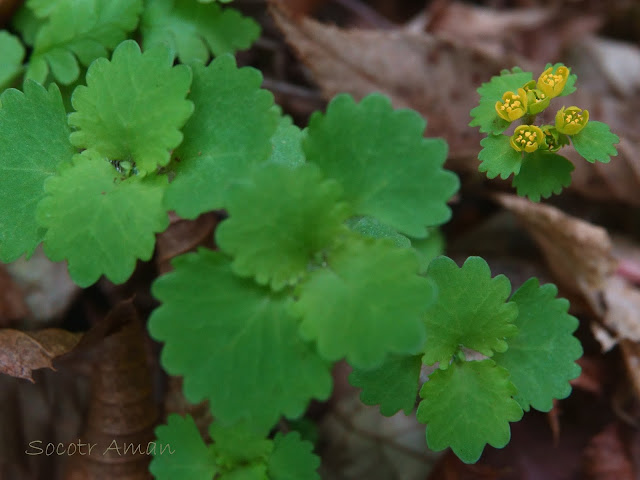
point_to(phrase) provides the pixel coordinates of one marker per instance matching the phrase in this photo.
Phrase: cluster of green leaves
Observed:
(330, 212)
(542, 172)
(237, 453)
(65, 36)
(525, 341)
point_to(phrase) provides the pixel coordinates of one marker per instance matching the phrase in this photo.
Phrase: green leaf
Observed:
(467, 406)
(287, 144)
(229, 132)
(498, 157)
(428, 248)
(386, 167)
(278, 220)
(470, 310)
(372, 228)
(11, 56)
(185, 454)
(239, 347)
(293, 459)
(369, 283)
(237, 444)
(27, 25)
(541, 357)
(33, 143)
(542, 174)
(247, 472)
(43, 8)
(100, 222)
(80, 30)
(393, 385)
(485, 115)
(133, 107)
(595, 142)
(194, 30)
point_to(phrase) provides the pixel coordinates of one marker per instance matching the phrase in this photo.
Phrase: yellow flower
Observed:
(553, 140)
(513, 106)
(571, 120)
(528, 138)
(537, 100)
(552, 84)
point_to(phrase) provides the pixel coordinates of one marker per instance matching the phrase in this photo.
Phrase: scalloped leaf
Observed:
(292, 459)
(193, 31)
(386, 167)
(227, 135)
(485, 115)
(541, 357)
(467, 406)
(112, 225)
(238, 443)
(279, 218)
(394, 385)
(11, 56)
(498, 157)
(470, 310)
(33, 143)
(542, 174)
(595, 142)
(369, 282)
(79, 31)
(133, 107)
(287, 143)
(185, 454)
(238, 334)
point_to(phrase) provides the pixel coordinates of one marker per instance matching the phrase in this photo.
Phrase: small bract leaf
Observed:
(541, 357)
(595, 142)
(238, 335)
(11, 56)
(470, 310)
(485, 115)
(227, 135)
(99, 222)
(238, 443)
(133, 107)
(193, 30)
(78, 30)
(33, 143)
(369, 282)
(372, 228)
(468, 406)
(278, 220)
(498, 157)
(386, 167)
(393, 385)
(542, 174)
(292, 459)
(185, 454)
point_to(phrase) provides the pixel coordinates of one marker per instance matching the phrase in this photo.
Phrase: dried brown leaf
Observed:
(580, 257)
(23, 352)
(606, 457)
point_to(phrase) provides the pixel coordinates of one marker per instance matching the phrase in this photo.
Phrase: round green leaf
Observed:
(542, 174)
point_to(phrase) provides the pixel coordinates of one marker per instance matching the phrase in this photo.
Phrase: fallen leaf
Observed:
(606, 457)
(23, 352)
(580, 256)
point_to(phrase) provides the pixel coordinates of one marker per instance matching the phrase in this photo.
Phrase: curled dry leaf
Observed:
(437, 74)
(23, 352)
(580, 257)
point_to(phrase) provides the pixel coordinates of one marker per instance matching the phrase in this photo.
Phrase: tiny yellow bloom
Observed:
(527, 138)
(552, 84)
(553, 140)
(571, 120)
(513, 105)
(537, 100)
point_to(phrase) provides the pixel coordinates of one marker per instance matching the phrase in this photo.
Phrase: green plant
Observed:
(529, 153)
(328, 251)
